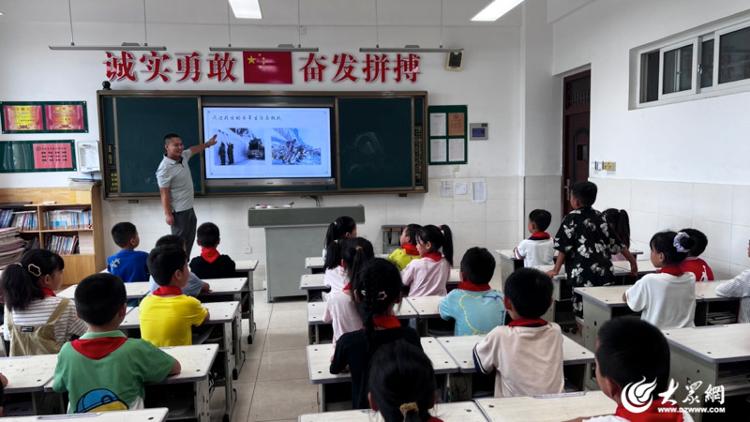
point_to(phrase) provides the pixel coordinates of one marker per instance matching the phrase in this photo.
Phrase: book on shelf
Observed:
(63, 245)
(26, 220)
(67, 219)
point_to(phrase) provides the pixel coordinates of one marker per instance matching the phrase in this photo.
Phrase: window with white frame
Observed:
(706, 62)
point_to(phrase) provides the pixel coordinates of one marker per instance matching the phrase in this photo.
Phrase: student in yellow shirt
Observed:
(408, 251)
(167, 315)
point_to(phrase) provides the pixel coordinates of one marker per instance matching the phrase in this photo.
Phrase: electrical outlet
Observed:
(609, 166)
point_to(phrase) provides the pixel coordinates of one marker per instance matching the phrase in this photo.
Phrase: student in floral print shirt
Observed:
(586, 245)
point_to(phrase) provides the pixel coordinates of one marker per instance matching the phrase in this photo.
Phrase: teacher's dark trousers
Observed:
(184, 226)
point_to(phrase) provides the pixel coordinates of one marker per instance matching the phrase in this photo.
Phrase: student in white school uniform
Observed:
(341, 310)
(428, 275)
(39, 322)
(527, 353)
(539, 248)
(738, 287)
(666, 299)
(340, 229)
(634, 353)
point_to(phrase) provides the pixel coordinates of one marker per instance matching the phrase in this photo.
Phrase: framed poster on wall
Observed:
(448, 135)
(44, 117)
(37, 156)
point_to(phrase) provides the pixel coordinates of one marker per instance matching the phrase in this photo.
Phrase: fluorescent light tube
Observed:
(495, 10)
(281, 47)
(123, 46)
(246, 9)
(408, 49)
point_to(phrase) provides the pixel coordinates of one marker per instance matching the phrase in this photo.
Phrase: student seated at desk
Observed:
(378, 288)
(428, 275)
(39, 322)
(128, 264)
(341, 310)
(631, 353)
(341, 229)
(195, 286)
(210, 263)
(104, 370)
(168, 315)
(693, 263)
(408, 251)
(402, 383)
(738, 287)
(666, 299)
(538, 249)
(475, 307)
(618, 222)
(585, 244)
(527, 354)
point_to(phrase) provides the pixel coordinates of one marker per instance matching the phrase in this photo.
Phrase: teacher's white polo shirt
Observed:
(176, 176)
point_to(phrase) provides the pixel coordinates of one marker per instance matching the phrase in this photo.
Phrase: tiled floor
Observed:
(273, 385)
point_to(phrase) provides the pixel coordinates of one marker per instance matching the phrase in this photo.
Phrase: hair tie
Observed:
(382, 295)
(358, 248)
(34, 270)
(677, 242)
(408, 407)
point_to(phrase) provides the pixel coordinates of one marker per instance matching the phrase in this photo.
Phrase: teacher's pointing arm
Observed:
(201, 147)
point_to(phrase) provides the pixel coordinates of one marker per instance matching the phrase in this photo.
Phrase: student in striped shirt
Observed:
(38, 322)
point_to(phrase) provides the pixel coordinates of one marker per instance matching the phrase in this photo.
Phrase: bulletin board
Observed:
(37, 156)
(43, 117)
(448, 134)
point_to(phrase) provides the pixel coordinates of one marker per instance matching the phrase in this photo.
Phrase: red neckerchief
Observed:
(674, 270)
(98, 348)
(434, 419)
(527, 322)
(347, 286)
(167, 291)
(210, 254)
(472, 287)
(539, 236)
(435, 256)
(386, 321)
(651, 414)
(410, 249)
(47, 292)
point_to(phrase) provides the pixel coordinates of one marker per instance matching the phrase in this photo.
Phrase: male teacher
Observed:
(176, 187)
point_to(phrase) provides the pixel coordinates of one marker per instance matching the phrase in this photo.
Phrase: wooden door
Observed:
(576, 117)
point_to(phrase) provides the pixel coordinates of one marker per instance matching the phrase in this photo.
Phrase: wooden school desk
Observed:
(28, 375)
(322, 332)
(466, 411)
(233, 289)
(600, 304)
(577, 359)
(145, 415)
(133, 290)
(319, 364)
(717, 355)
(227, 315)
(547, 408)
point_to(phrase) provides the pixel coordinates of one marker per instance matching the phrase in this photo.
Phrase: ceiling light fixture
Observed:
(281, 47)
(409, 48)
(129, 46)
(495, 10)
(246, 9)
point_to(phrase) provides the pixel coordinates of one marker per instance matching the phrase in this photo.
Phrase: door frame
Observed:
(564, 181)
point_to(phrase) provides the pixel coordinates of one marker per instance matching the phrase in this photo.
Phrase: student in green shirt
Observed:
(104, 370)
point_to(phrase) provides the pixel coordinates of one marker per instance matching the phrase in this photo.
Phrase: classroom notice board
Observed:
(37, 156)
(448, 135)
(378, 142)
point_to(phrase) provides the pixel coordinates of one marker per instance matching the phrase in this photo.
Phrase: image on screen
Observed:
(268, 143)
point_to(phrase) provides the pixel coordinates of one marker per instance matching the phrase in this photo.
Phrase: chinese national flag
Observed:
(267, 67)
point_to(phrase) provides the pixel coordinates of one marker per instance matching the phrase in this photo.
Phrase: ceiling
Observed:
(275, 12)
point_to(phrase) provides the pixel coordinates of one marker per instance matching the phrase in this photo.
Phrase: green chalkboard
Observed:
(375, 142)
(139, 126)
(378, 140)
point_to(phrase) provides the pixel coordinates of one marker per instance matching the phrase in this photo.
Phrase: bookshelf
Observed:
(67, 220)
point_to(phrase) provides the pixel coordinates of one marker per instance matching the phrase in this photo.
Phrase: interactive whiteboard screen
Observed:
(268, 143)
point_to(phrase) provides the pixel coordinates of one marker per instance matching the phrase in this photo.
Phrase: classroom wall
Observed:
(489, 85)
(679, 164)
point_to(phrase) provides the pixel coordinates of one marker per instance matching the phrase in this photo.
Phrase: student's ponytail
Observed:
(356, 253)
(447, 243)
(623, 228)
(402, 382)
(377, 287)
(337, 231)
(674, 246)
(20, 282)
